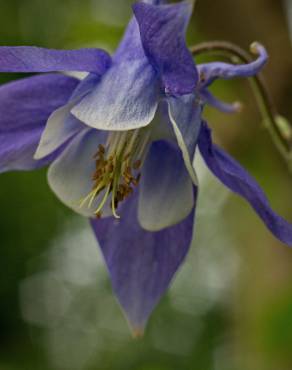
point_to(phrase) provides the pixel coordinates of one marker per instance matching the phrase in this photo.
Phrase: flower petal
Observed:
(232, 175)
(60, 128)
(62, 125)
(185, 116)
(131, 45)
(141, 263)
(25, 106)
(34, 59)
(70, 175)
(126, 98)
(128, 94)
(210, 71)
(161, 126)
(163, 29)
(166, 190)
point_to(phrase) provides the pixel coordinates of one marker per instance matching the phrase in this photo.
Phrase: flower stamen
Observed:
(117, 169)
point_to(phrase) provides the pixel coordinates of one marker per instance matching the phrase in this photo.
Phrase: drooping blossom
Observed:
(120, 144)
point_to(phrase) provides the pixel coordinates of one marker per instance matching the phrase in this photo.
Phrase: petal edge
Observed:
(141, 264)
(232, 175)
(34, 59)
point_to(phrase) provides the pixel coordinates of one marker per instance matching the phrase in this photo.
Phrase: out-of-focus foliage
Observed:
(230, 307)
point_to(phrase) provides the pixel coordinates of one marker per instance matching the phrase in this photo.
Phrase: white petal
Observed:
(185, 116)
(61, 126)
(126, 98)
(166, 190)
(70, 176)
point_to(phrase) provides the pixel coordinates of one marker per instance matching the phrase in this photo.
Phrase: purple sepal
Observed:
(162, 29)
(130, 47)
(25, 106)
(34, 59)
(232, 175)
(141, 263)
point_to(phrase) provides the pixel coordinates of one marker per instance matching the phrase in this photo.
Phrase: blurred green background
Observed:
(230, 306)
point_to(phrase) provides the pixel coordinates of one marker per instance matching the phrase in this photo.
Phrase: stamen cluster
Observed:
(117, 169)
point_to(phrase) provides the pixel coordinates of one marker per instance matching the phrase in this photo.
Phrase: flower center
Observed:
(117, 168)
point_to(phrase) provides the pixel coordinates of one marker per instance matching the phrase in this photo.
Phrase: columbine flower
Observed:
(121, 144)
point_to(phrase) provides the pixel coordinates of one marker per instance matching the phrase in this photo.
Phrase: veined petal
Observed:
(60, 128)
(62, 125)
(34, 59)
(130, 47)
(232, 175)
(141, 263)
(185, 116)
(70, 175)
(128, 94)
(126, 98)
(166, 190)
(163, 29)
(210, 71)
(25, 106)
(86, 85)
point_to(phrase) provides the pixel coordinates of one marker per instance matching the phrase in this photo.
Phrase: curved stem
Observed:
(280, 129)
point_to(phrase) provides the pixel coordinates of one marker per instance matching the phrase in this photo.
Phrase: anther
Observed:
(137, 164)
(202, 77)
(136, 180)
(101, 149)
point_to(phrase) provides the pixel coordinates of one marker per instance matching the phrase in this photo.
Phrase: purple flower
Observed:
(120, 144)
